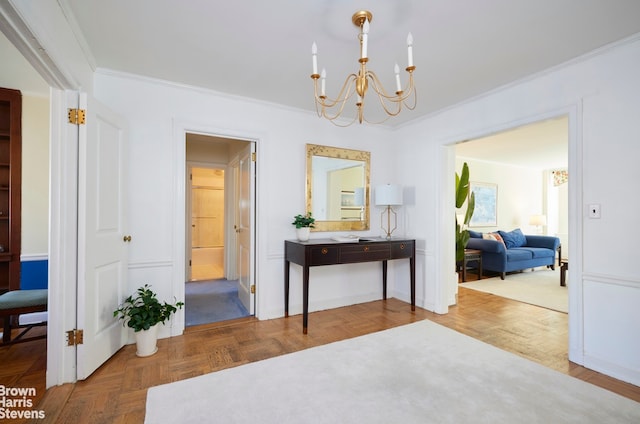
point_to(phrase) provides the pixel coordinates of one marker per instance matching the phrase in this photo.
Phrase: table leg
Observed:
(412, 272)
(305, 298)
(563, 273)
(384, 280)
(464, 269)
(286, 288)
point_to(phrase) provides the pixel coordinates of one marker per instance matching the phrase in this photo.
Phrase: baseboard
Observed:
(613, 370)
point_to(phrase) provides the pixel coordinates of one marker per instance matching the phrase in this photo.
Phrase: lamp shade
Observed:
(538, 220)
(388, 195)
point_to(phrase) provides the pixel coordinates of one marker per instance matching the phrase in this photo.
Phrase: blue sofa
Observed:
(515, 252)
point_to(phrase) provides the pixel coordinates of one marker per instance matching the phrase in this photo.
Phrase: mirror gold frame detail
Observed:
(339, 153)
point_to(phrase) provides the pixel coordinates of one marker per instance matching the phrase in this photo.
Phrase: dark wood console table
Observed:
(317, 252)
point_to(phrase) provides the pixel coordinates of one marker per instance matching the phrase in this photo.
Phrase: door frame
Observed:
(448, 283)
(63, 186)
(180, 130)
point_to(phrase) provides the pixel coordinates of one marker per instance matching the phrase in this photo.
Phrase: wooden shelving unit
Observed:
(10, 185)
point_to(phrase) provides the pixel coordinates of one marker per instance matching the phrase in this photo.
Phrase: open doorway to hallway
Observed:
(216, 276)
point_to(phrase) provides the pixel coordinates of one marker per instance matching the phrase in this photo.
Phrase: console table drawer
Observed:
(364, 253)
(402, 249)
(325, 255)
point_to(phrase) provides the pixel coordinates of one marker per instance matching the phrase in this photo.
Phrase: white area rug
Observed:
(540, 287)
(417, 373)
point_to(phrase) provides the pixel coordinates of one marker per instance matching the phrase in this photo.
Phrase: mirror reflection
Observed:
(338, 188)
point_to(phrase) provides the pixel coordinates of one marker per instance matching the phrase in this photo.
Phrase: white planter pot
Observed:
(303, 233)
(146, 341)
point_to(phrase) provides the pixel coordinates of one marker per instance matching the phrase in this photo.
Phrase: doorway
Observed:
(522, 164)
(207, 224)
(214, 280)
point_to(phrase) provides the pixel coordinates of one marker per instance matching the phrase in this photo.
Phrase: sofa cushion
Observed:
(513, 238)
(475, 234)
(519, 254)
(540, 252)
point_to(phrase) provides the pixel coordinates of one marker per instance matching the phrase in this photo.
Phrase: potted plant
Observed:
(462, 195)
(143, 312)
(303, 224)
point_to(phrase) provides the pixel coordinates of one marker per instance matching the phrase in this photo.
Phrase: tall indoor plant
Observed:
(462, 195)
(143, 312)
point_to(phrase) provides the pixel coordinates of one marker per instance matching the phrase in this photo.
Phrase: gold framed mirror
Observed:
(338, 188)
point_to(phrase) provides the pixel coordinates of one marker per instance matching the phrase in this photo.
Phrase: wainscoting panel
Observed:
(611, 343)
(34, 272)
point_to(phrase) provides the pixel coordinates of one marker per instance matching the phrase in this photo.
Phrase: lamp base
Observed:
(389, 211)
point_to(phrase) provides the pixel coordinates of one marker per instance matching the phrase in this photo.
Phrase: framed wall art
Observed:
(485, 213)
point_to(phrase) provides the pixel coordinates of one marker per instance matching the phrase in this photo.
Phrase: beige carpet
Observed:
(417, 373)
(540, 287)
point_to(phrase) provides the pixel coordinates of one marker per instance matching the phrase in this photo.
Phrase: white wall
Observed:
(35, 176)
(600, 94)
(520, 193)
(281, 135)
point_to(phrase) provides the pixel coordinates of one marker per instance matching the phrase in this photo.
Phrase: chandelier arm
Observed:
(415, 100)
(325, 108)
(345, 125)
(378, 87)
(344, 94)
(378, 122)
(385, 100)
(396, 98)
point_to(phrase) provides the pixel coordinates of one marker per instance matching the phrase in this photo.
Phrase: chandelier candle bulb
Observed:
(396, 69)
(409, 50)
(314, 56)
(323, 77)
(365, 36)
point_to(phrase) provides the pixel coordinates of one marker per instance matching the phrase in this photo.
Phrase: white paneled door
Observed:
(246, 227)
(102, 235)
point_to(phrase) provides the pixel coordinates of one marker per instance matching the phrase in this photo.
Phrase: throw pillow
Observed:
(493, 236)
(513, 238)
(475, 234)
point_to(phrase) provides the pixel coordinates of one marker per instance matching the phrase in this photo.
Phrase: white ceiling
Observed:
(262, 49)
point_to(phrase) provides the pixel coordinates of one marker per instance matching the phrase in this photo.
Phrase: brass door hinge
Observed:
(77, 116)
(75, 337)
(253, 156)
(253, 289)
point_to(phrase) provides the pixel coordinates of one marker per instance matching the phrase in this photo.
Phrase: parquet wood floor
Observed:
(116, 392)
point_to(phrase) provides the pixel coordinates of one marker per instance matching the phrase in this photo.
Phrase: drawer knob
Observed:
(366, 248)
(402, 246)
(324, 250)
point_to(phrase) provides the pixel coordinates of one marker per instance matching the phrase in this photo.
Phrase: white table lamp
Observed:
(538, 221)
(389, 195)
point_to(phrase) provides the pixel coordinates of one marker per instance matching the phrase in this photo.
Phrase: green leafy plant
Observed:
(301, 221)
(143, 310)
(462, 194)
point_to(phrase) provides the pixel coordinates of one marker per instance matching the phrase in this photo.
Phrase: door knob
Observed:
(126, 239)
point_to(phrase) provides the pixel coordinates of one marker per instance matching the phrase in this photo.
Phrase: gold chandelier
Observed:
(358, 84)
